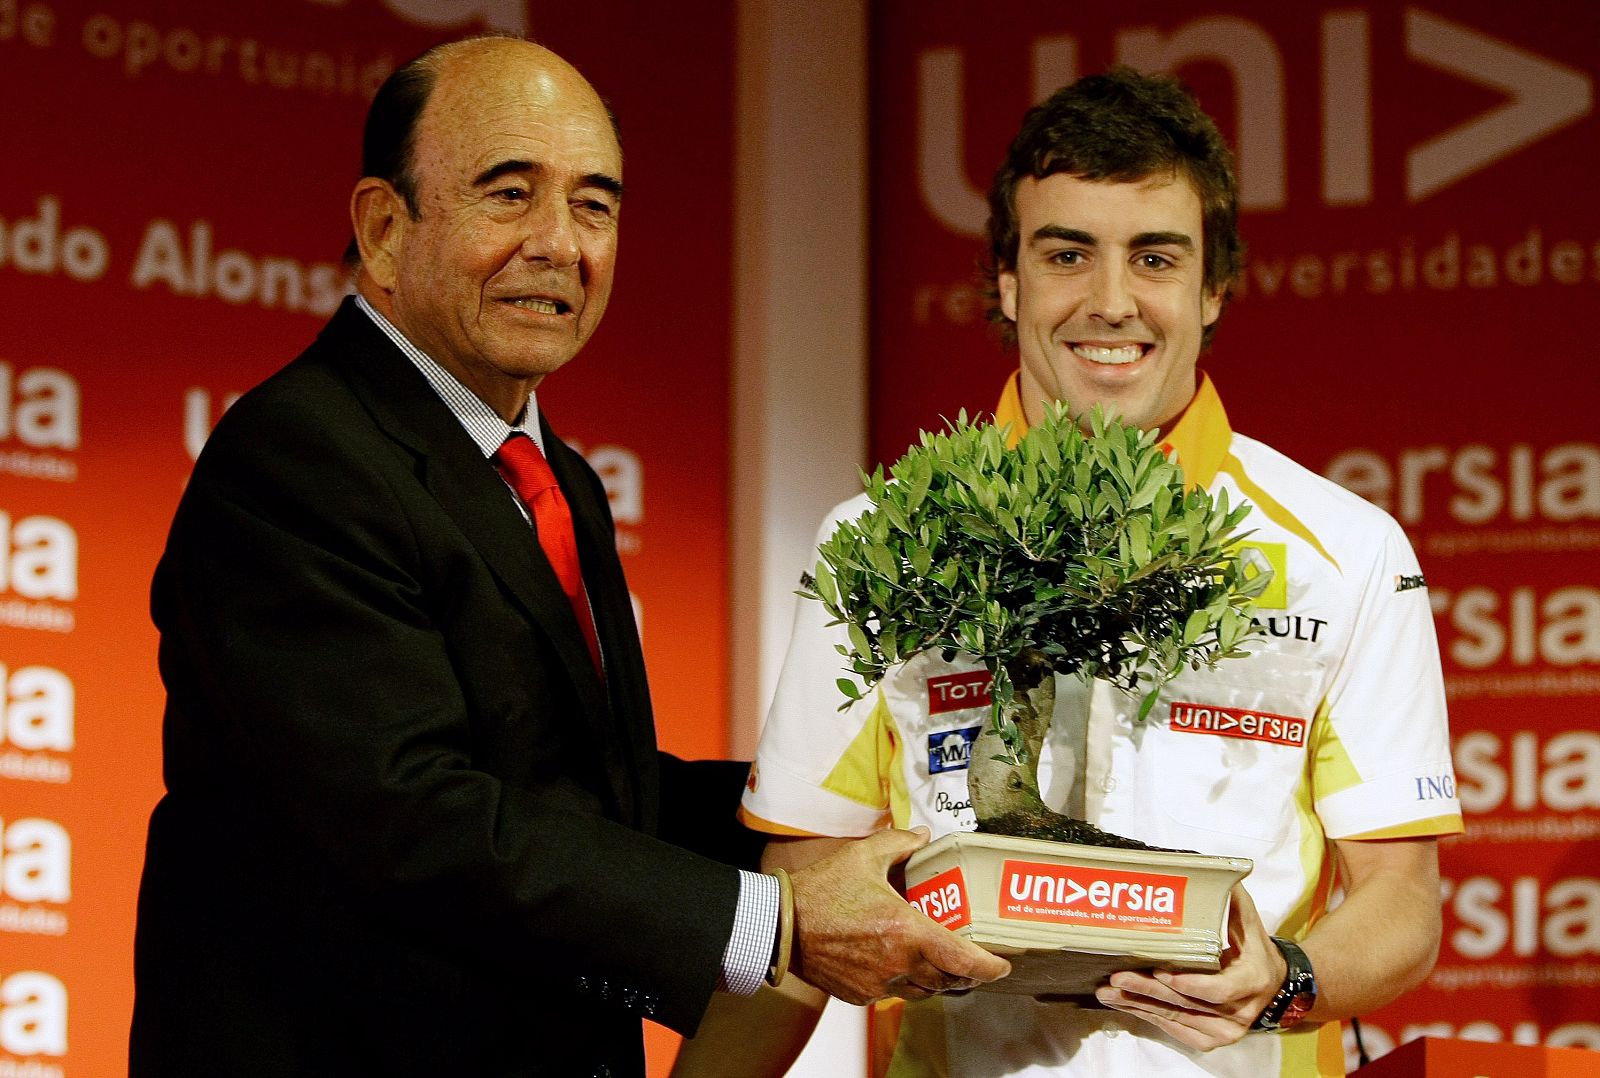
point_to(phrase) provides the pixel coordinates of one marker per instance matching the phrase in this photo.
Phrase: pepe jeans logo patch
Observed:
(1237, 722)
(943, 898)
(957, 692)
(1102, 897)
(1409, 582)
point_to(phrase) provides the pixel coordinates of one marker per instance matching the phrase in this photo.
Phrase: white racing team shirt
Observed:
(1333, 728)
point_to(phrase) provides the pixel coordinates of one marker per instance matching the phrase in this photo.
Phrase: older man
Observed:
(1113, 244)
(416, 821)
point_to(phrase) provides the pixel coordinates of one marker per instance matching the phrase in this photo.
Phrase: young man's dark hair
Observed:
(1120, 127)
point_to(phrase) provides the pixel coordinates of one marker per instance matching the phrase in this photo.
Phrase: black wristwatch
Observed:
(1295, 996)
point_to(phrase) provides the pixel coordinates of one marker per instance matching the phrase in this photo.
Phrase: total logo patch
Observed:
(1191, 718)
(957, 692)
(1257, 558)
(951, 750)
(943, 898)
(1103, 897)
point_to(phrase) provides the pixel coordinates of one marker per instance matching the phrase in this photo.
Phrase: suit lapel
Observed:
(465, 485)
(626, 683)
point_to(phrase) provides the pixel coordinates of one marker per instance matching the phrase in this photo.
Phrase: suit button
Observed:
(583, 985)
(605, 990)
(649, 1005)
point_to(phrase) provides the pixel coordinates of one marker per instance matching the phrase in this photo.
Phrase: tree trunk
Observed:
(1004, 788)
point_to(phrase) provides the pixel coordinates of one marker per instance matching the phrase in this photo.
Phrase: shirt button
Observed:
(1108, 784)
(1110, 1029)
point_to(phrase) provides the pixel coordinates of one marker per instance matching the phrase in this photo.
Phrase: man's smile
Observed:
(1110, 354)
(538, 304)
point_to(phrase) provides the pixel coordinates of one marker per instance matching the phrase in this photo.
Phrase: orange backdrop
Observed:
(172, 209)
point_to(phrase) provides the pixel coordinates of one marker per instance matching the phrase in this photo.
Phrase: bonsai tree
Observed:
(1073, 553)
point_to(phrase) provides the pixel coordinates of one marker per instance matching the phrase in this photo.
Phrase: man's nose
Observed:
(552, 234)
(1111, 295)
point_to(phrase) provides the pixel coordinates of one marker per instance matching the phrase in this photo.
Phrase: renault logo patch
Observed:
(1256, 558)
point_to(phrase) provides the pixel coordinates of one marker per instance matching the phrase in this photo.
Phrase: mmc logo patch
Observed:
(1256, 558)
(951, 750)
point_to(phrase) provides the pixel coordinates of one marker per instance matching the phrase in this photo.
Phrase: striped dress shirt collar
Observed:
(487, 430)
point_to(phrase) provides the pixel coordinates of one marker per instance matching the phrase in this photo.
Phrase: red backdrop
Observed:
(172, 209)
(1417, 322)
(1425, 258)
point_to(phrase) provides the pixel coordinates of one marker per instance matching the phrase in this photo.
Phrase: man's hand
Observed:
(1208, 1010)
(856, 938)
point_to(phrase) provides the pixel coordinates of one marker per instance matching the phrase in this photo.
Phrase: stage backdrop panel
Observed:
(172, 215)
(1417, 322)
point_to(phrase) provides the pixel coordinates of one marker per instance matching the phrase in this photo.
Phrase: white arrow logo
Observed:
(1544, 96)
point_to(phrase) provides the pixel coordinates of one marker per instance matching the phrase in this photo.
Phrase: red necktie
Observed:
(529, 474)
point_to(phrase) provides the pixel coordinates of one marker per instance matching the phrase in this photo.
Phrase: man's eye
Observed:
(1067, 258)
(1150, 260)
(508, 194)
(595, 206)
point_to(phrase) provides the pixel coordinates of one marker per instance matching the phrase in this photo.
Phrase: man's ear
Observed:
(1006, 279)
(379, 217)
(1210, 306)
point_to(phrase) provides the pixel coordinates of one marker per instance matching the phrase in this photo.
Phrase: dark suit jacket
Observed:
(407, 830)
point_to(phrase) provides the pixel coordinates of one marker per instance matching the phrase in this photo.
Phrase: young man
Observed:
(1113, 246)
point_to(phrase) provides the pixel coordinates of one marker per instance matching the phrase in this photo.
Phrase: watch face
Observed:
(1297, 1009)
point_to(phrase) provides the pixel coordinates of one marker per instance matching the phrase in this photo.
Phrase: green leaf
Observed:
(1139, 540)
(921, 560)
(824, 583)
(858, 639)
(1148, 703)
(1146, 494)
(883, 561)
(849, 688)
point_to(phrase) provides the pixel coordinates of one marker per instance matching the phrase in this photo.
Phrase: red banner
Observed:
(943, 898)
(1424, 260)
(1095, 897)
(172, 214)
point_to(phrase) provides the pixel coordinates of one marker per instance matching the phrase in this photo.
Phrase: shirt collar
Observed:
(1198, 441)
(487, 430)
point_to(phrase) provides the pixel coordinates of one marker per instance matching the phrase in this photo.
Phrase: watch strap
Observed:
(1295, 996)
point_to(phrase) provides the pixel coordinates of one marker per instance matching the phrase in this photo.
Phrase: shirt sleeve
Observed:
(818, 769)
(1382, 768)
(755, 934)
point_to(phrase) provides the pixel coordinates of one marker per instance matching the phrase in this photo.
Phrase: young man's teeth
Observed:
(1126, 354)
(543, 306)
